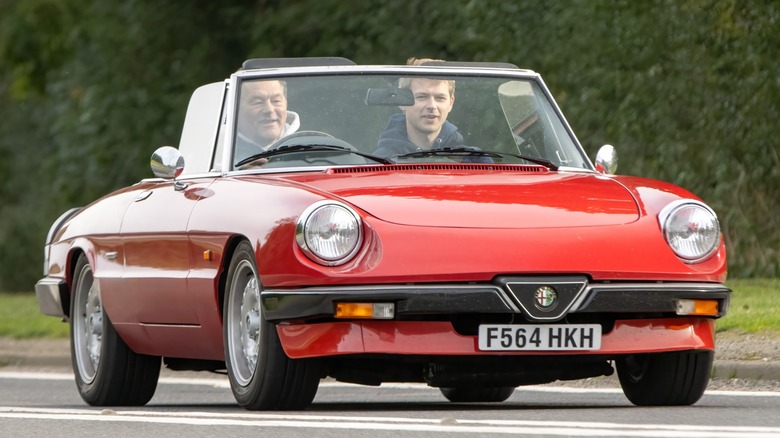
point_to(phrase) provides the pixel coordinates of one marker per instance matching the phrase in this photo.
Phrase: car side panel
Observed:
(185, 318)
(195, 341)
(151, 306)
(95, 232)
(203, 287)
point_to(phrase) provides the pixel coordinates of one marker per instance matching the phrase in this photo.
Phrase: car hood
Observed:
(480, 200)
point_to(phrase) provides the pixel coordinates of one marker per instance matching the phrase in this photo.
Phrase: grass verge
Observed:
(755, 307)
(20, 318)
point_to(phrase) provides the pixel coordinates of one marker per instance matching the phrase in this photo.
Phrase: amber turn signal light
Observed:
(365, 310)
(697, 307)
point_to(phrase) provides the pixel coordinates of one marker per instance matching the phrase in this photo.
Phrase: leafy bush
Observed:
(686, 90)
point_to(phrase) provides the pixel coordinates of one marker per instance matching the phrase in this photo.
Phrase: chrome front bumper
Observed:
(53, 298)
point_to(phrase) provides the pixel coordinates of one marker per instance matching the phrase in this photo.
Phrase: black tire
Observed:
(665, 379)
(107, 372)
(261, 375)
(477, 394)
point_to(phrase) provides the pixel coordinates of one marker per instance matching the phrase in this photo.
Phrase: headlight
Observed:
(329, 232)
(691, 229)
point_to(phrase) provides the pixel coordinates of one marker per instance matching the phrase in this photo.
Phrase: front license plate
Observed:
(560, 337)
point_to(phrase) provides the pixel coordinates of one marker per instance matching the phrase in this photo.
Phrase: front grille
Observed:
(524, 291)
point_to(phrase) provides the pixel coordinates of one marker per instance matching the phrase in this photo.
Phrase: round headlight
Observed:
(691, 229)
(329, 232)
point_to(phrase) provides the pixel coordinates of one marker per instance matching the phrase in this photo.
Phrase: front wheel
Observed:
(665, 379)
(108, 372)
(474, 394)
(261, 375)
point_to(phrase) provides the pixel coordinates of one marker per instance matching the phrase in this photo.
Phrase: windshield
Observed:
(345, 119)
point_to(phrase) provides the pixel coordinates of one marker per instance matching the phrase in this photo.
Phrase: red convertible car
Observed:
(436, 222)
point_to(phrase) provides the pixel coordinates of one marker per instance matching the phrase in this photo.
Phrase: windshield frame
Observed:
(446, 72)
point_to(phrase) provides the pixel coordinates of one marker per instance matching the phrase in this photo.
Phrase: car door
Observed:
(157, 255)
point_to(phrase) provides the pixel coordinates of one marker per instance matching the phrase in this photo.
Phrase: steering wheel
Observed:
(303, 138)
(311, 158)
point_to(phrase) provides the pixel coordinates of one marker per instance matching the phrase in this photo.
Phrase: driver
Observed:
(263, 118)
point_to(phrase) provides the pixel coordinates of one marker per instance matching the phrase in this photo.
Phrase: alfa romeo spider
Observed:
(436, 223)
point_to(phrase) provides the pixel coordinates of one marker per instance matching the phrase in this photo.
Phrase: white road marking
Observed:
(445, 425)
(223, 383)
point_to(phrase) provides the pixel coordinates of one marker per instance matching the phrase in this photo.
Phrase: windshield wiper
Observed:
(474, 152)
(310, 148)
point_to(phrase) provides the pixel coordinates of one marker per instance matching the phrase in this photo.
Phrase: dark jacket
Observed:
(394, 140)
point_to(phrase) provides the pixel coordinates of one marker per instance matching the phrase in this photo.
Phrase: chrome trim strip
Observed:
(187, 177)
(385, 70)
(275, 170)
(229, 115)
(163, 324)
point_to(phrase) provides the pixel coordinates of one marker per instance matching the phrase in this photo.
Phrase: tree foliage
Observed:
(686, 90)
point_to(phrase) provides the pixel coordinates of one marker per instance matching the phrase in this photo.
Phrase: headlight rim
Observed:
(668, 212)
(300, 233)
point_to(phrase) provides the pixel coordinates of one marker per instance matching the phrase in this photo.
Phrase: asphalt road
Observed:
(35, 404)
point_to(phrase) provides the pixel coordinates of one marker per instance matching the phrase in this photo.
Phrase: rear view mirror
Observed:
(390, 96)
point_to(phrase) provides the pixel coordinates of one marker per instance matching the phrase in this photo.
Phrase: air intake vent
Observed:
(437, 166)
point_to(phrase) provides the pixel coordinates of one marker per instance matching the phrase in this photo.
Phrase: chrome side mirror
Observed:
(167, 162)
(606, 160)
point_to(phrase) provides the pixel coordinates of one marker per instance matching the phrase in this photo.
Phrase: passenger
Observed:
(263, 118)
(423, 125)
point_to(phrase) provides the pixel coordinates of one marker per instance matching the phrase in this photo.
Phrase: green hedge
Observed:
(687, 91)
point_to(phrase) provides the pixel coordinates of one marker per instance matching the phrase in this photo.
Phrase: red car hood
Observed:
(483, 200)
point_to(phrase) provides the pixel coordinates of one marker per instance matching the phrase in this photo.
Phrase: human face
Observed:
(432, 103)
(262, 111)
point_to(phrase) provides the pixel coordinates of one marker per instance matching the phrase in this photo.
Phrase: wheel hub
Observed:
(93, 325)
(250, 323)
